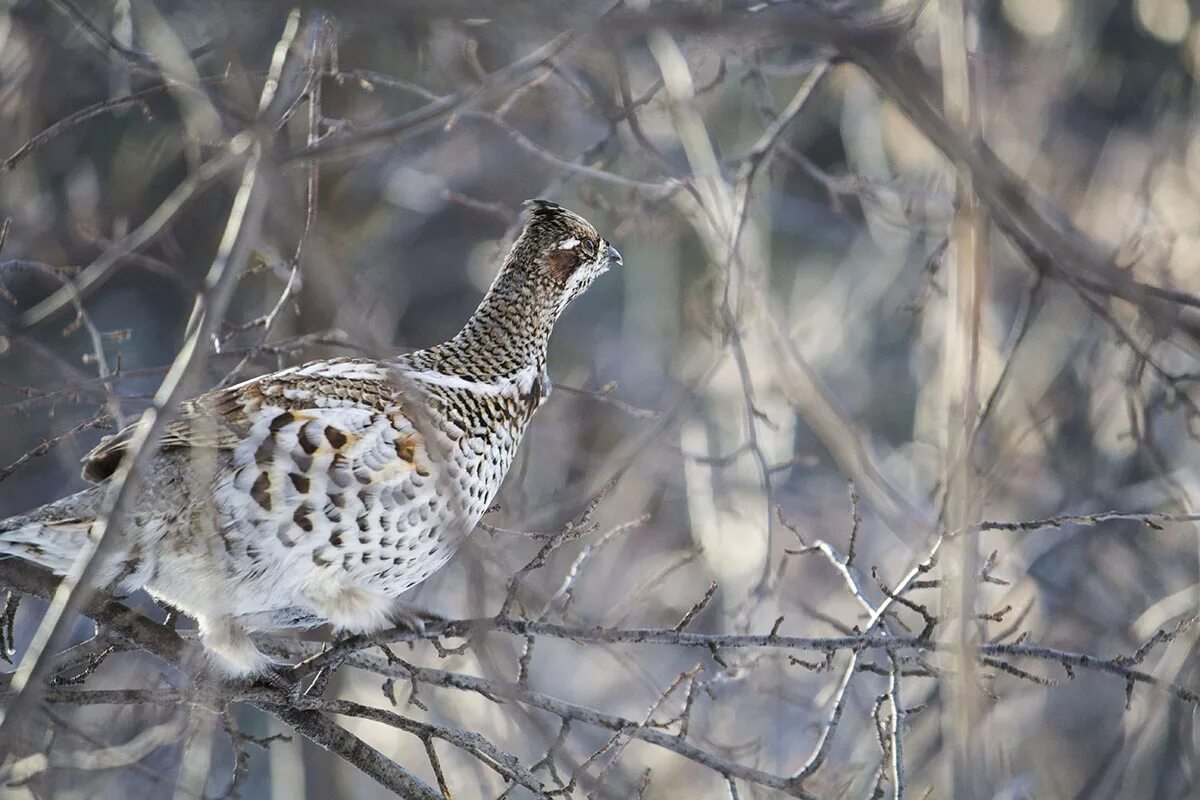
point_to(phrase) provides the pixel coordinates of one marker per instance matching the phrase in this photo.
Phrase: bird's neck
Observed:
(506, 337)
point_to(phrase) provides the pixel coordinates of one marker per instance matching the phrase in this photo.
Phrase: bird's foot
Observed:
(230, 648)
(413, 617)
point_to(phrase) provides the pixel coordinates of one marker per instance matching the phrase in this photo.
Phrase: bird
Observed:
(320, 493)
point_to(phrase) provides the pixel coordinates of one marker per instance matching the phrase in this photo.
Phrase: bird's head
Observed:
(556, 257)
(560, 252)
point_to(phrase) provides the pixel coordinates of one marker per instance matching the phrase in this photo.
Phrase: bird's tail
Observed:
(55, 534)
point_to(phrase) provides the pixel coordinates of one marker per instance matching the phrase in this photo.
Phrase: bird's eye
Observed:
(589, 248)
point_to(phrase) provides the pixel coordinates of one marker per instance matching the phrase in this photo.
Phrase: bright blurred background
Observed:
(718, 388)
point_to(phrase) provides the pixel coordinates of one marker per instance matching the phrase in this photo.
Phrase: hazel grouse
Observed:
(322, 492)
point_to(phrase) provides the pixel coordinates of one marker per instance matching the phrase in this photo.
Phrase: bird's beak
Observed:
(614, 256)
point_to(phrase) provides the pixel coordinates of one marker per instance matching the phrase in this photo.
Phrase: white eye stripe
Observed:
(568, 244)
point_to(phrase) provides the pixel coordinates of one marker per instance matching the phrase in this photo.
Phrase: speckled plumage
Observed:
(322, 492)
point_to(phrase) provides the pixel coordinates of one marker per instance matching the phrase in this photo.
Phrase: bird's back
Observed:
(347, 472)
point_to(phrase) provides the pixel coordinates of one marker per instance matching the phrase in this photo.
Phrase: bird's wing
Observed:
(224, 418)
